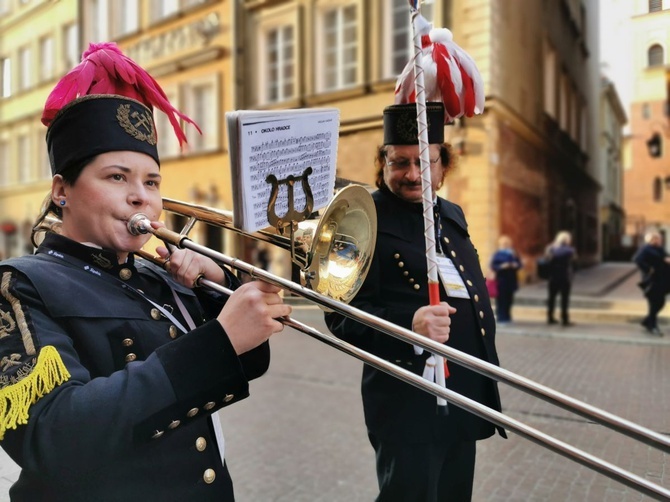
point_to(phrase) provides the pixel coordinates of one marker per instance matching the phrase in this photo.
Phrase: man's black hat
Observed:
(401, 128)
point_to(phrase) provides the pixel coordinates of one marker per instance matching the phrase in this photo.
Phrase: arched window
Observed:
(655, 55)
(658, 189)
(655, 5)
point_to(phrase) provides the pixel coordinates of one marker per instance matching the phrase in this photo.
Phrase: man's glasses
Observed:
(405, 163)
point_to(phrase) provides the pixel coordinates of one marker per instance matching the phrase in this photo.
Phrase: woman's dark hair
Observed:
(50, 212)
(446, 157)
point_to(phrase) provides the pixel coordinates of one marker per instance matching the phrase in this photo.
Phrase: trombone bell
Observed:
(343, 245)
(333, 252)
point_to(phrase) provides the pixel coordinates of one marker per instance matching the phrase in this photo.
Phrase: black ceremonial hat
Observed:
(401, 128)
(99, 123)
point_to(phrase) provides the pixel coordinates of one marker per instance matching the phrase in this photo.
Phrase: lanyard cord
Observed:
(73, 262)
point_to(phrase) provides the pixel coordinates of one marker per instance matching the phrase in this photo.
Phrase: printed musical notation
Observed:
(281, 143)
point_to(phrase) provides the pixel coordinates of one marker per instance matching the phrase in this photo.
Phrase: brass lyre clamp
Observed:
(292, 217)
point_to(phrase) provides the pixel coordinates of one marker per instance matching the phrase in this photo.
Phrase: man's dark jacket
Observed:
(394, 289)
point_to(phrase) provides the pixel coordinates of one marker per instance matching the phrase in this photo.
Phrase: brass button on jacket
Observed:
(173, 331)
(192, 412)
(209, 405)
(228, 398)
(200, 444)
(155, 314)
(125, 274)
(131, 357)
(174, 424)
(127, 342)
(209, 476)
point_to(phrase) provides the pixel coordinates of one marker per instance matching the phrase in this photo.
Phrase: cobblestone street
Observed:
(300, 437)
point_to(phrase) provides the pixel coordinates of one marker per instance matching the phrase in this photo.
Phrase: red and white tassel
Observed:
(450, 76)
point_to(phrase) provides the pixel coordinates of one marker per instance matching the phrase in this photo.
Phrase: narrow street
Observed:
(301, 437)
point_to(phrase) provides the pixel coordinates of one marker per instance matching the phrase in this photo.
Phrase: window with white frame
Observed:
(564, 102)
(46, 58)
(125, 16)
(575, 109)
(187, 4)
(658, 189)
(655, 55)
(549, 81)
(161, 9)
(339, 48)
(25, 159)
(400, 39)
(25, 68)
(201, 103)
(5, 77)
(280, 64)
(43, 166)
(97, 20)
(71, 53)
(168, 144)
(4, 163)
(655, 5)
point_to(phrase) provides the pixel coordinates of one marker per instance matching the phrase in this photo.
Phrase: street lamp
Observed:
(654, 145)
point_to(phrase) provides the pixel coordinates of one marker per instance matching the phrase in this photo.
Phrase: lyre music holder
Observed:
(292, 216)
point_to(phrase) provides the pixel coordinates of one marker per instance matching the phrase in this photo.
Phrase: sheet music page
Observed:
(281, 143)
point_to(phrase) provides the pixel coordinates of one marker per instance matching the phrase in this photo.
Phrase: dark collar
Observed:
(104, 259)
(447, 209)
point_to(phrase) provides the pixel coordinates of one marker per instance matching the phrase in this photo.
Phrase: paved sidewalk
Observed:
(604, 293)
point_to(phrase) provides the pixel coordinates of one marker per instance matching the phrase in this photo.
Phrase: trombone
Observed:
(328, 244)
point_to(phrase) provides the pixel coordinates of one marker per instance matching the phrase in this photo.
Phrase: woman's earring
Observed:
(62, 202)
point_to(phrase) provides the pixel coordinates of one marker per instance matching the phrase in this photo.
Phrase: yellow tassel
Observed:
(16, 399)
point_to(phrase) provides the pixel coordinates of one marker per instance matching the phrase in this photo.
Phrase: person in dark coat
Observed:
(654, 263)
(561, 256)
(506, 264)
(112, 368)
(421, 455)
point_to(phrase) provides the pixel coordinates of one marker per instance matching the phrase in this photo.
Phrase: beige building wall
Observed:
(520, 161)
(25, 177)
(512, 175)
(647, 181)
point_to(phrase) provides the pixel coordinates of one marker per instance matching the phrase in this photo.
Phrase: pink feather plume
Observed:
(104, 69)
(450, 76)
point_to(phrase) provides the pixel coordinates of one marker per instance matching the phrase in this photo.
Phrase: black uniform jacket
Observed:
(102, 397)
(395, 287)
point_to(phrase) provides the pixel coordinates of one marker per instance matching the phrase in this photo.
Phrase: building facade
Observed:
(39, 42)
(528, 165)
(647, 176)
(612, 216)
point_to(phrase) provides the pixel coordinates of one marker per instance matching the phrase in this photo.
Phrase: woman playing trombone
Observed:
(111, 367)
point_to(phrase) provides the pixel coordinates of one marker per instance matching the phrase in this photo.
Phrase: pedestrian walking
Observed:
(505, 263)
(561, 256)
(654, 263)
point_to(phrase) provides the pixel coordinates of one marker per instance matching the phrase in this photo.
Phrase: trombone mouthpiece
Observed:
(138, 224)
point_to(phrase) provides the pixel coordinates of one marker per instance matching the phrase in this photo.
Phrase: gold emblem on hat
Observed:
(132, 122)
(407, 127)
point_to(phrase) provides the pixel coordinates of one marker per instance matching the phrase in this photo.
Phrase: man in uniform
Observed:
(422, 455)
